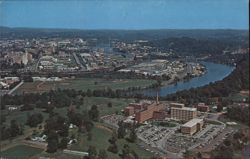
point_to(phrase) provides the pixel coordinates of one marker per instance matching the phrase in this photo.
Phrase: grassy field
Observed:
(20, 152)
(101, 102)
(59, 155)
(21, 116)
(83, 84)
(100, 138)
(100, 135)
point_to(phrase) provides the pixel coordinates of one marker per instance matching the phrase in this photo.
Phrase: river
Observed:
(215, 72)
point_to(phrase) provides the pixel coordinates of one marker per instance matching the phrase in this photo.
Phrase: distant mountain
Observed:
(127, 35)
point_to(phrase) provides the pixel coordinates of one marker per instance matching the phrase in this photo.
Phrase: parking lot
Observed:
(179, 142)
(112, 120)
(155, 136)
(217, 140)
(168, 139)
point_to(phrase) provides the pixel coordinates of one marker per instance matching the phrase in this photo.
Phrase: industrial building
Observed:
(192, 126)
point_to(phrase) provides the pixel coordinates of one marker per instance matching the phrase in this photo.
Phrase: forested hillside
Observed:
(236, 81)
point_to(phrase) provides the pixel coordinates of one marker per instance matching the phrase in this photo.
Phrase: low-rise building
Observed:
(177, 105)
(192, 126)
(202, 107)
(128, 111)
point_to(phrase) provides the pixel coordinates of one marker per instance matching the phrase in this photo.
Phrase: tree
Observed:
(2, 118)
(52, 142)
(34, 119)
(113, 139)
(156, 157)
(125, 151)
(92, 152)
(15, 128)
(109, 104)
(121, 130)
(63, 143)
(135, 155)
(113, 147)
(89, 136)
(102, 154)
(64, 130)
(94, 113)
(132, 135)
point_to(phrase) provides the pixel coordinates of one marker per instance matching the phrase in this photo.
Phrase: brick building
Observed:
(147, 112)
(202, 107)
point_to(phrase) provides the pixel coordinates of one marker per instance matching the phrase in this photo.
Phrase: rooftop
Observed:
(185, 108)
(192, 122)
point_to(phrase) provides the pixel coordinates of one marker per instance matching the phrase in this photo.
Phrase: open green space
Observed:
(100, 137)
(20, 152)
(83, 84)
(59, 155)
(21, 116)
(102, 104)
(100, 134)
(236, 97)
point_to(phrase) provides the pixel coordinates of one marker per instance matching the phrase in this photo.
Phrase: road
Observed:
(17, 86)
(216, 141)
(78, 61)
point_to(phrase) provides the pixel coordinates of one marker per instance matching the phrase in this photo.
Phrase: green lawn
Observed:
(21, 116)
(236, 97)
(95, 83)
(83, 84)
(101, 102)
(100, 138)
(20, 152)
(59, 155)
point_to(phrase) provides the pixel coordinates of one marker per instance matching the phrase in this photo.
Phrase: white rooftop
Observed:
(192, 122)
(185, 108)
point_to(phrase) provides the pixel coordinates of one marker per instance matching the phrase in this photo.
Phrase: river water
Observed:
(215, 72)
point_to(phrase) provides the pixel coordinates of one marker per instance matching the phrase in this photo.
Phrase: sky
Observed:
(125, 14)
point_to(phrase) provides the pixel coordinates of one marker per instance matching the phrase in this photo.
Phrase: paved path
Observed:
(17, 86)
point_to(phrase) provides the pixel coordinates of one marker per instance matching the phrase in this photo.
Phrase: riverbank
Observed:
(214, 72)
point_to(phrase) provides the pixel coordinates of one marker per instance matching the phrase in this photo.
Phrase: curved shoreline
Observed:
(214, 72)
